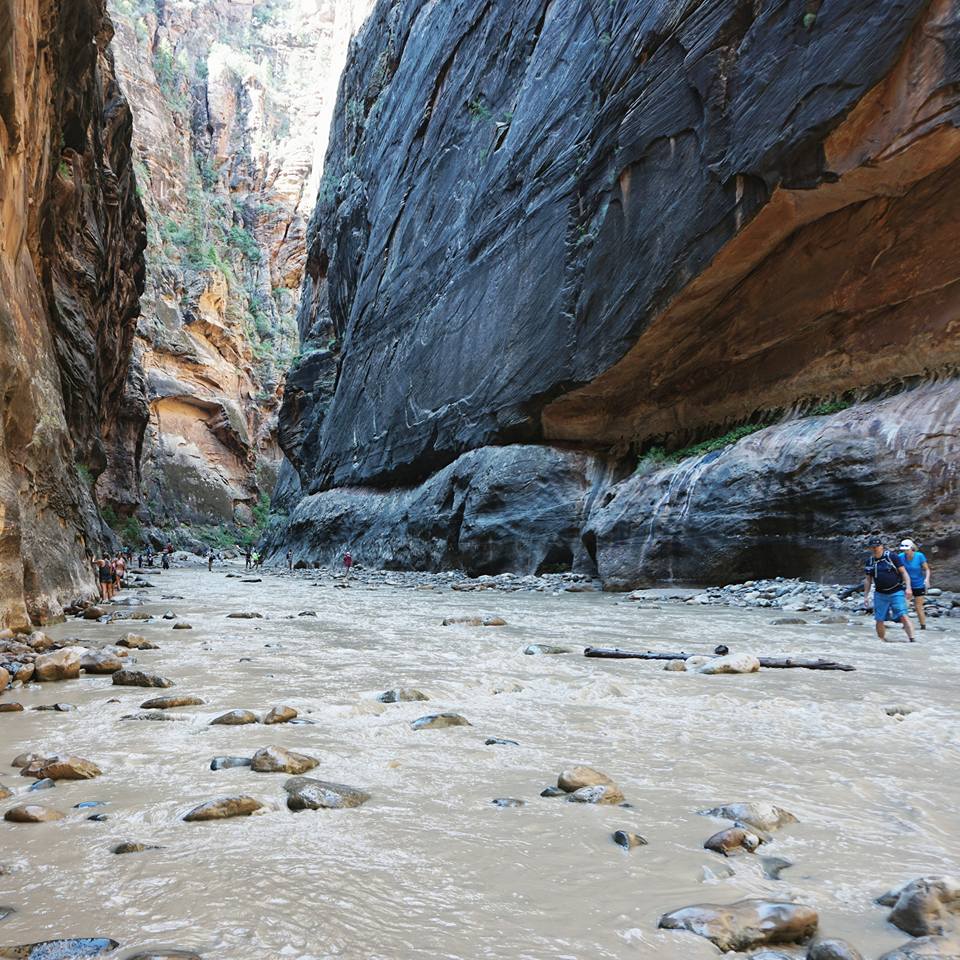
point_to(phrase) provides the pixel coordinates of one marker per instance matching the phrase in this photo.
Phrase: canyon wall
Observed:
(71, 269)
(597, 229)
(231, 102)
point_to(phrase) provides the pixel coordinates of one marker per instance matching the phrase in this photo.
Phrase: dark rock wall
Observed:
(71, 271)
(535, 217)
(605, 225)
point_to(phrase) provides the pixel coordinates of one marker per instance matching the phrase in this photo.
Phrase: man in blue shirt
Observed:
(919, 571)
(886, 572)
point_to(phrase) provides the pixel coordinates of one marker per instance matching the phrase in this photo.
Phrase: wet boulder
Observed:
(5, 792)
(138, 678)
(439, 721)
(745, 924)
(45, 784)
(32, 813)
(235, 718)
(245, 615)
(11, 707)
(182, 625)
(134, 641)
(305, 793)
(574, 778)
(168, 703)
(224, 808)
(402, 695)
(101, 662)
(832, 950)
(758, 814)
(731, 663)
(59, 665)
(61, 767)
(927, 906)
(94, 613)
(280, 760)
(281, 714)
(733, 840)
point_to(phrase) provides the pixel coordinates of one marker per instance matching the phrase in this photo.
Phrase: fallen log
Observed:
(778, 663)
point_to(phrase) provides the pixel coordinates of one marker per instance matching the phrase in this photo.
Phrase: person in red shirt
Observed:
(347, 563)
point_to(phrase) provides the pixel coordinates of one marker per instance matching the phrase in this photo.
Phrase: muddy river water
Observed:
(429, 867)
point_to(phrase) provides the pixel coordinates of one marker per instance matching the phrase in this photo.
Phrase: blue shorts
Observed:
(889, 606)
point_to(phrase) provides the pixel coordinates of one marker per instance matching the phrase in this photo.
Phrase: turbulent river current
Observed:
(429, 867)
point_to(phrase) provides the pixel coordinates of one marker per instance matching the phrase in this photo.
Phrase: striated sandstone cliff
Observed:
(612, 225)
(71, 269)
(231, 102)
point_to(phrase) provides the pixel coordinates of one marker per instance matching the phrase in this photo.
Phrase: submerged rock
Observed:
(508, 802)
(227, 763)
(233, 718)
(402, 695)
(832, 950)
(438, 721)
(774, 866)
(925, 906)
(500, 742)
(132, 846)
(543, 649)
(627, 840)
(600, 794)
(305, 793)
(927, 948)
(761, 815)
(745, 924)
(138, 678)
(245, 615)
(223, 808)
(475, 621)
(77, 948)
(279, 760)
(165, 955)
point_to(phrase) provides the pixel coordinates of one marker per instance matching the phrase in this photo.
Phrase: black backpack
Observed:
(885, 573)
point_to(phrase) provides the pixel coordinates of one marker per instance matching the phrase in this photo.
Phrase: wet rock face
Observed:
(482, 514)
(794, 499)
(71, 271)
(478, 177)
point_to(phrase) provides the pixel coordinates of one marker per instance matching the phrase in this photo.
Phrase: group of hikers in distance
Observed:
(893, 578)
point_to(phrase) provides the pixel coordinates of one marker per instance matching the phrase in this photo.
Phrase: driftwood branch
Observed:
(783, 663)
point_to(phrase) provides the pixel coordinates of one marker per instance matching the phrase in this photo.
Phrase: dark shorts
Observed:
(919, 591)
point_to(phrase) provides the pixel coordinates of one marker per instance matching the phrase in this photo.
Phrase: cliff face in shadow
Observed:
(611, 226)
(71, 270)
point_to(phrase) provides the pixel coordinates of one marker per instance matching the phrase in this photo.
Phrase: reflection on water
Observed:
(429, 868)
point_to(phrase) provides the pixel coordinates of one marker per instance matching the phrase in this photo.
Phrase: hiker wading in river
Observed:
(886, 572)
(919, 570)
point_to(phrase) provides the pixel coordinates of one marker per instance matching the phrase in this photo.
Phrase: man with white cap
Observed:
(919, 571)
(886, 572)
